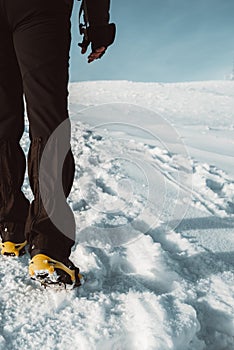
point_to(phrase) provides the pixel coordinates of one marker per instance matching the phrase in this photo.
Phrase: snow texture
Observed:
(153, 198)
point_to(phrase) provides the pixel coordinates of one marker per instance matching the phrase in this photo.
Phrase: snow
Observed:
(153, 198)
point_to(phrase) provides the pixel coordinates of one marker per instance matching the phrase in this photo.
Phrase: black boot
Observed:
(13, 241)
(49, 271)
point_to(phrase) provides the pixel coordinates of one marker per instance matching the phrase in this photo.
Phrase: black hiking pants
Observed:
(34, 54)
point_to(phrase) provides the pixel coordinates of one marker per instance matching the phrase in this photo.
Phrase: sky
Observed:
(162, 41)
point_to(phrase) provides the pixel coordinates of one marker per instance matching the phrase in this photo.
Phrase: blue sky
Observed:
(162, 41)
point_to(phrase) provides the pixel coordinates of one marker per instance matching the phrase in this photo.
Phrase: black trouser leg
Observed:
(13, 204)
(41, 35)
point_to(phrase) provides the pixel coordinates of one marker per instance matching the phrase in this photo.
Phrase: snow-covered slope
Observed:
(153, 198)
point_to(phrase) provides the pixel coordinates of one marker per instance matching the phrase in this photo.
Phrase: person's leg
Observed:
(41, 34)
(13, 204)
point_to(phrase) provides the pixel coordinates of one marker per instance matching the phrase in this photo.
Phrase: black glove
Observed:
(98, 36)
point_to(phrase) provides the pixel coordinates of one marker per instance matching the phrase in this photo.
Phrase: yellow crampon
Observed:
(41, 266)
(12, 249)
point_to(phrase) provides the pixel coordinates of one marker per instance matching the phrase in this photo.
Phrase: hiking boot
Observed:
(13, 241)
(49, 271)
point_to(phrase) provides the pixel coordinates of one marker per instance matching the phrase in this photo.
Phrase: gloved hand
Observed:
(100, 38)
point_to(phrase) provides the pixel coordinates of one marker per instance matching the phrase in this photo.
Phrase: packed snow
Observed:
(153, 198)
